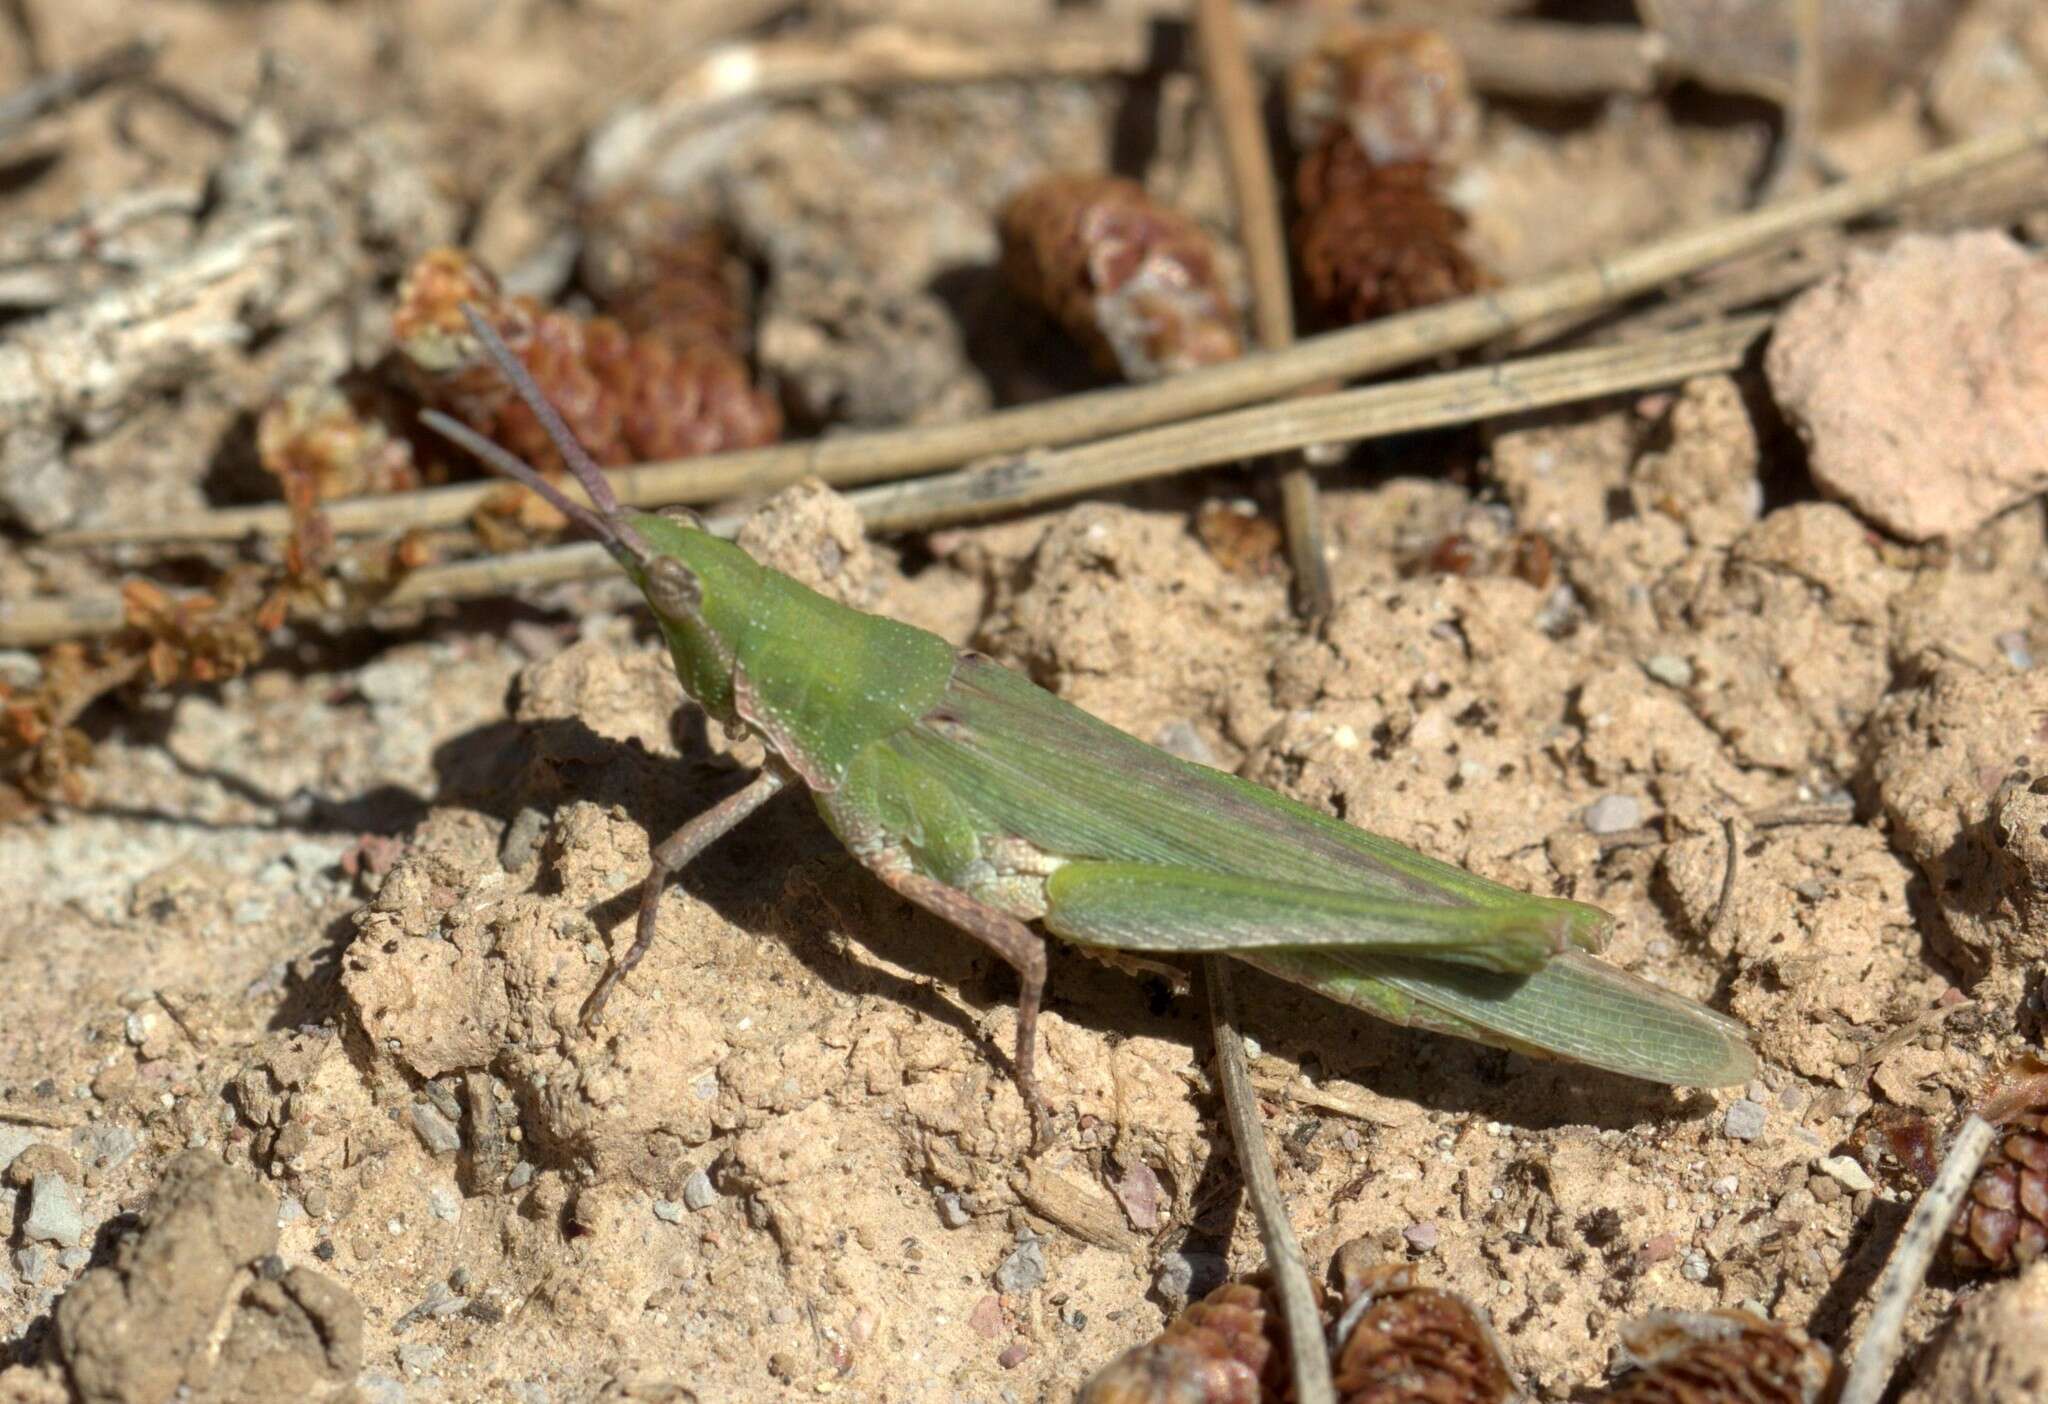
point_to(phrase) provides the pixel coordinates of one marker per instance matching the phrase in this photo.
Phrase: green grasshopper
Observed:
(993, 804)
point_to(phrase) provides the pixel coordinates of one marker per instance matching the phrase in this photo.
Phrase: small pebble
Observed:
(1612, 814)
(444, 1203)
(668, 1211)
(103, 1145)
(1669, 669)
(419, 1357)
(31, 1261)
(2013, 644)
(1024, 1270)
(13, 1141)
(436, 1132)
(1847, 1171)
(1014, 1354)
(522, 838)
(952, 1213)
(1421, 1237)
(697, 1191)
(1745, 1120)
(521, 1176)
(1694, 1268)
(72, 1259)
(782, 1315)
(53, 1214)
(1182, 1276)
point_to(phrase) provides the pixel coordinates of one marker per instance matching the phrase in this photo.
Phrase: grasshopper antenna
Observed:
(607, 522)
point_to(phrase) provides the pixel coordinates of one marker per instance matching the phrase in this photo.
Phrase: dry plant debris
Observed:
(2003, 1226)
(1382, 118)
(1135, 282)
(628, 397)
(1725, 1357)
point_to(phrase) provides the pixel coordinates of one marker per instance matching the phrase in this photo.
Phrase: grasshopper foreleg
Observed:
(671, 855)
(1016, 943)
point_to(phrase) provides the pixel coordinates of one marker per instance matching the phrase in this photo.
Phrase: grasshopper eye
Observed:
(672, 588)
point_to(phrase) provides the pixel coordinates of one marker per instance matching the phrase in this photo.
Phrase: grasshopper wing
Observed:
(1144, 907)
(1574, 1007)
(1027, 764)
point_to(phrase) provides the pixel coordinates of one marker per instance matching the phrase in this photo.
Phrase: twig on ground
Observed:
(1377, 346)
(1234, 97)
(1306, 1094)
(1291, 1282)
(1724, 910)
(1877, 1354)
(1455, 398)
(1518, 58)
(1777, 816)
(46, 94)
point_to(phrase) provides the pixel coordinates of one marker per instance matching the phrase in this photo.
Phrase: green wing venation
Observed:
(1048, 772)
(1574, 1007)
(1143, 907)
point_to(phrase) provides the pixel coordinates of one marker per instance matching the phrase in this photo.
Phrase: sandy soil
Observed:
(306, 965)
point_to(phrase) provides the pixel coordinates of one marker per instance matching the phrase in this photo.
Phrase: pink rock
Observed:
(1919, 379)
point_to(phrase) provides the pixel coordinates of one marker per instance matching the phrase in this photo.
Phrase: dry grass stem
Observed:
(1378, 346)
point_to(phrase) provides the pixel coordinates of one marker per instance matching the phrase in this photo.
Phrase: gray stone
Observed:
(103, 1145)
(1847, 1171)
(697, 1191)
(668, 1211)
(1745, 1120)
(952, 1213)
(13, 1141)
(1669, 669)
(53, 1213)
(522, 838)
(1024, 1270)
(419, 1357)
(1612, 814)
(1184, 1275)
(436, 1132)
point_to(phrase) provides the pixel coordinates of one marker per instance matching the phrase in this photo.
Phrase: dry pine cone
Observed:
(1721, 1357)
(629, 399)
(1134, 282)
(2003, 1225)
(1401, 93)
(1411, 1344)
(1225, 1349)
(1380, 116)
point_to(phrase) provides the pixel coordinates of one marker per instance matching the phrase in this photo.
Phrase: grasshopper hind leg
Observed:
(1017, 944)
(670, 856)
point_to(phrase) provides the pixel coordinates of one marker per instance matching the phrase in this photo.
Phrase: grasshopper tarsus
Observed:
(669, 857)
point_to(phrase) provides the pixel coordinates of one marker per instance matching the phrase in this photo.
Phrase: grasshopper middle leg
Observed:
(670, 855)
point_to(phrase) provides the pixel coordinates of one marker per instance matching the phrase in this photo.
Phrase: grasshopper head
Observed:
(668, 556)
